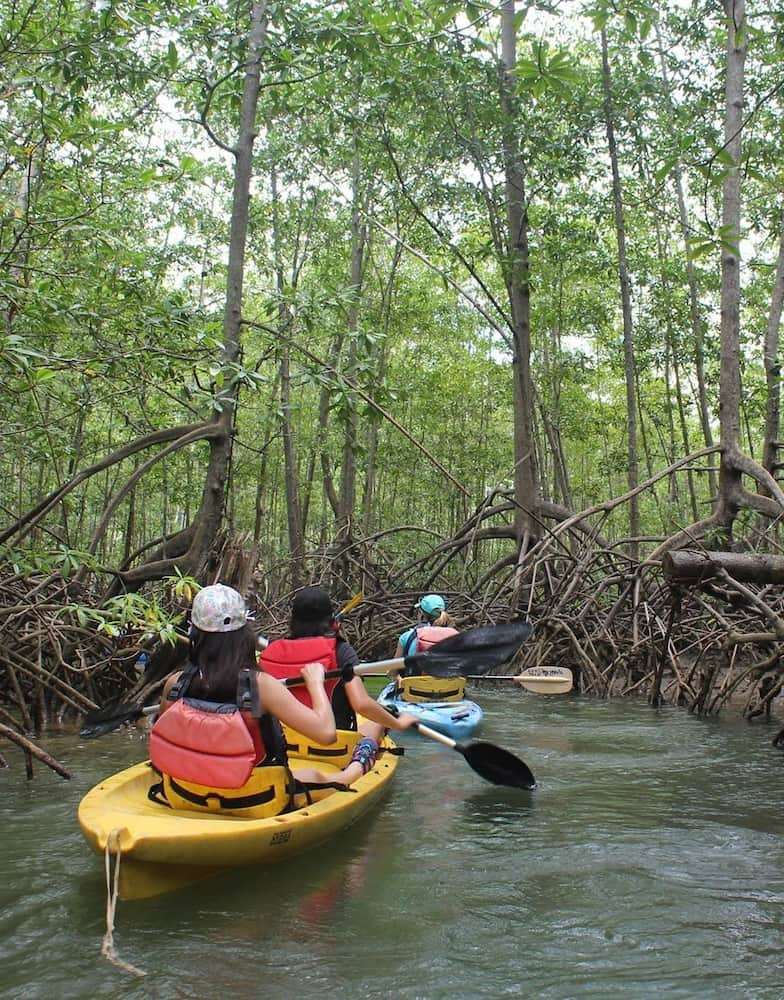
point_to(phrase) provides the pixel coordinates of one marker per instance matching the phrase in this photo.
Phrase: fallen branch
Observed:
(33, 750)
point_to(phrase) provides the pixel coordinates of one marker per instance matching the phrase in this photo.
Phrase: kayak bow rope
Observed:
(112, 894)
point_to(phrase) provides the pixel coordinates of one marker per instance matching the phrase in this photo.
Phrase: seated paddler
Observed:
(314, 635)
(433, 624)
(218, 743)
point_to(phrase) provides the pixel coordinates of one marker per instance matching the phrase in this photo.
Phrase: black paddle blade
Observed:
(475, 651)
(104, 720)
(497, 765)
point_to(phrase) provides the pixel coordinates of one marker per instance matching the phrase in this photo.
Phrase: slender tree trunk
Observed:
(730, 385)
(626, 306)
(518, 287)
(673, 344)
(348, 479)
(294, 522)
(773, 366)
(213, 500)
(369, 494)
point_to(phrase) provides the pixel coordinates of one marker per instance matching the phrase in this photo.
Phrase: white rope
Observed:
(112, 895)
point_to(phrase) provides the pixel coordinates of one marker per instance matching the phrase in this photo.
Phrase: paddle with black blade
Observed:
(476, 649)
(491, 762)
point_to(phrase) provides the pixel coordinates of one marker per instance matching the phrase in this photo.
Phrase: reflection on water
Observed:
(650, 861)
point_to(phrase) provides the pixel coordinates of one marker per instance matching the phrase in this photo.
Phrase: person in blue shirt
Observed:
(433, 624)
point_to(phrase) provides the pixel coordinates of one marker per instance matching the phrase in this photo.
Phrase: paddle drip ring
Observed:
(112, 894)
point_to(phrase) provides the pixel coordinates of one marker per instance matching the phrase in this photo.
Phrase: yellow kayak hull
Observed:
(161, 849)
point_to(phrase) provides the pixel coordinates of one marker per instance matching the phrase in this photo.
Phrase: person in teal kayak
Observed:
(433, 625)
(314, 635)
(220, 716)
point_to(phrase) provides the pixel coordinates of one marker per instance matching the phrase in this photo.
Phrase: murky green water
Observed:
(650, 863)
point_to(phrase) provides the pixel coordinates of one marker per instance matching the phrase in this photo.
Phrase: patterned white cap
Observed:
(218, 608)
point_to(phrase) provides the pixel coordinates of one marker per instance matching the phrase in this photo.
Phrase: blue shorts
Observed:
(365, 753)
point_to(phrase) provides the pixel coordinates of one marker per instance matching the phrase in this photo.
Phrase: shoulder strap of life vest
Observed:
(180, 688)
(248, 699)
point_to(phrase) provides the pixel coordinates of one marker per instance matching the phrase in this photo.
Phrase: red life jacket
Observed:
(428, 635)
(211, 743)
(285, 658)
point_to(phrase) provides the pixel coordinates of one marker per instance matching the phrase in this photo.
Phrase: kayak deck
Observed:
(457, 719)
(161, 849)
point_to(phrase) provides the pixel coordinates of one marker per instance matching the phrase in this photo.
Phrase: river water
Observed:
(648, 863)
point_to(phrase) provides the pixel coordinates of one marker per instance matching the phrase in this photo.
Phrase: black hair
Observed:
(300, 628)
(311, 613)
(220, 656)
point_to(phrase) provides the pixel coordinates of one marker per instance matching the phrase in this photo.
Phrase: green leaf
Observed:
(701, 248)
(664, 169)
(723, 155)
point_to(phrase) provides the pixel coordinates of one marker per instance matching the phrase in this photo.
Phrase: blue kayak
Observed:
(436, 702)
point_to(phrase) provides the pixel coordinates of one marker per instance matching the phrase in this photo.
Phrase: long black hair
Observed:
(220, 656)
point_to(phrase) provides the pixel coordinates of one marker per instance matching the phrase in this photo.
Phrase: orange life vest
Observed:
(206, 742)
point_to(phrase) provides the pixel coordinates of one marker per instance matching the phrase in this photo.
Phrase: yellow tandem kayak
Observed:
(159, 849)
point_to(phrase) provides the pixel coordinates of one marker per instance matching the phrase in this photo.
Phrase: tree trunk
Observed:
(626, 308)
(348, 480)
(294, 521)
(697, 325)
(685, 566)
(526, 476)
(730, 387)
(773, 366)
(202, 533)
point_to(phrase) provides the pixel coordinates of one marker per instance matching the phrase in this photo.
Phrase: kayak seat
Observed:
(268, 792)
(427, 688)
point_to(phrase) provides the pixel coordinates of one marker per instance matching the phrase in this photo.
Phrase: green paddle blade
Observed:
(497, 765)
(475, 651)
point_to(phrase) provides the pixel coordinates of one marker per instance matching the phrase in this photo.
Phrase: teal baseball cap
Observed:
(431, 603)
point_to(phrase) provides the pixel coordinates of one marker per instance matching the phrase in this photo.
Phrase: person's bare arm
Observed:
(366, 706)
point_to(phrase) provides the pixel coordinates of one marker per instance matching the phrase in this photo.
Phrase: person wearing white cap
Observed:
(433, 625)
(222, 672)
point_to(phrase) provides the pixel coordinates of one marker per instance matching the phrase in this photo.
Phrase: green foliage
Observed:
(381, 126)
(134, 613)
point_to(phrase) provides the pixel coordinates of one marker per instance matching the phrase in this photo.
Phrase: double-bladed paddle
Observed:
(476, 650)
(546, 680)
